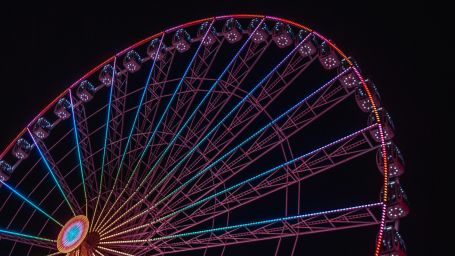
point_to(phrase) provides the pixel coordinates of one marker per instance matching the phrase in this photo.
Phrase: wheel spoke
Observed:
(85, 145)
(106, 132)
(128, 140)
(81, 168)
(159, 81)
(273, 181)
(116, 126)
(58, 181)
(27, 239)
(325, 221)
(99, 253)
(249, 190)
(17, 193)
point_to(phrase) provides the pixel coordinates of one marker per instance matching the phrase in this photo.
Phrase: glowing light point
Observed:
(73, 234)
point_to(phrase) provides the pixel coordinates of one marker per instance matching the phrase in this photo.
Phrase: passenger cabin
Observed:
(5, 171)
(21, 149)
(397, 201)
(395, 160)
(282, 35)
(363, 99)
(392, 244)
(106, 75)
(388, 128)
(261, 33)
(156, 49)
(42, 128)
(181, 41)
(132, 61)
(85, 91)
(232, 30)
(328, 57)
(209, 32)
(307, 48)
(63, 109)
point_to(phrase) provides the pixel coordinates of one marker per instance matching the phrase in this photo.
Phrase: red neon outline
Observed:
(375, 111)
(138, 44)
(188, 24)
(290, 22)
(243, 15)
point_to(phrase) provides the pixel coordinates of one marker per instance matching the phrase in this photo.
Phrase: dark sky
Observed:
(46, 48)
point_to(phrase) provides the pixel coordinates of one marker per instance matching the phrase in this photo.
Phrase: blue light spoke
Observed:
(46, 163)
(17, 193)
(106, 133)
(76, 136)
(144, 92)
(129, 139)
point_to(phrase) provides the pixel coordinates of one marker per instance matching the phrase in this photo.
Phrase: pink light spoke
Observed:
(326, 221)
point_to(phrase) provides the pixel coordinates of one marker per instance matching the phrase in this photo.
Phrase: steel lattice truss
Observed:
(180, 145)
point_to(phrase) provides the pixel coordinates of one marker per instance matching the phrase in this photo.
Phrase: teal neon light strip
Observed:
(17, 193)
(7, 232)
(50, 171)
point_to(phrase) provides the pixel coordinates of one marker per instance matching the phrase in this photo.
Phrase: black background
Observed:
(402, 48)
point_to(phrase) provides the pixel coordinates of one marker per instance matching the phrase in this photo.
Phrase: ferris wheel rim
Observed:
(199, 21)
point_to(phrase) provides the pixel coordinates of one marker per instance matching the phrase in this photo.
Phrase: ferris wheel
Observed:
(200, 139)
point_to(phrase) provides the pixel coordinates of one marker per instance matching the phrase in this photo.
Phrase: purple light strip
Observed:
(248, 224)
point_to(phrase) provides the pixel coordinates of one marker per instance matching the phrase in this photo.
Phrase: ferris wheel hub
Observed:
(73, 235)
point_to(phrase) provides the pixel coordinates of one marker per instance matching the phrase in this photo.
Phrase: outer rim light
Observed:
(64, 246)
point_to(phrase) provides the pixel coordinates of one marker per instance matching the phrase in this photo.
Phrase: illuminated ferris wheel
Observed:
(200, 139)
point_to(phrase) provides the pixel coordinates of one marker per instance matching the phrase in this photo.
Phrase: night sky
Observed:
(47, 48)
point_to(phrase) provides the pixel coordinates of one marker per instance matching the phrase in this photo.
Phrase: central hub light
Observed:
(73, 234)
